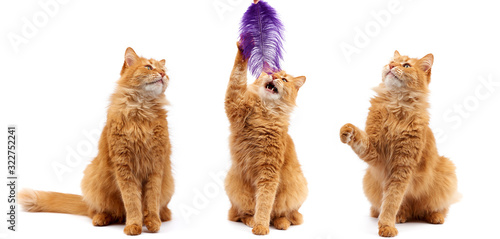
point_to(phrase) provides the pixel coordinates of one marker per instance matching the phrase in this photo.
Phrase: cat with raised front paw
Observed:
(406, 178)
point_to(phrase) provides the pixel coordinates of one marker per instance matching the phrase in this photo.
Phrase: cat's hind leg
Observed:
(435, 217)
(236, 216)
(167, 190)
(248, 220)
(242, 199)
(374, 212)
(281, 223)
(165, 214)
(105, 218)
(373, 192)
(403, 214)
(102, 219)
(104, 199)
(233, 214)
(295, 217)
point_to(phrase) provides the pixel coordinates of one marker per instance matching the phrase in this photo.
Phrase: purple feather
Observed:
(261, 36)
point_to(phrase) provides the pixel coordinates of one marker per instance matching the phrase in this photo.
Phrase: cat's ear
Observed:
(162, 62)
(425, 63)
(396, 54)
(299, 81)
(130, 57)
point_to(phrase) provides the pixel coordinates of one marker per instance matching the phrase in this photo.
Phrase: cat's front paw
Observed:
(387, 231)
(152, 222)
(240, 47)
(347, 133)
(133, 229)
(260, 229)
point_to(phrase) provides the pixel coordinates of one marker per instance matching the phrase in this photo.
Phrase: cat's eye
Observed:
(284, 79)
(406, 65)
(149, 67)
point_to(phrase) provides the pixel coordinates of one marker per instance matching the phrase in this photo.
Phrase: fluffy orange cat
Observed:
(130, 180)
(265, 183)
(406, 178)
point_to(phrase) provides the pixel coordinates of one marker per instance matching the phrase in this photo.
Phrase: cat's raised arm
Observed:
(359, 142)
(237, 87)
(238, 79)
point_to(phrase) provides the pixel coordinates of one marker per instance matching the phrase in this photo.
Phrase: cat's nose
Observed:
(162, 74)
(391, 66)
(274, 77)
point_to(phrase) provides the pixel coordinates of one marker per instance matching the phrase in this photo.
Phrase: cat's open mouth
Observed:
(271, 88)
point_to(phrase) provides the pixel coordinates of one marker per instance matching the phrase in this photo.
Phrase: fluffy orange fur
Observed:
(265, 183)
(406, 178)
(130, 180)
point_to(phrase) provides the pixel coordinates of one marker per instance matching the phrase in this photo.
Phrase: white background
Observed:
(57, 82)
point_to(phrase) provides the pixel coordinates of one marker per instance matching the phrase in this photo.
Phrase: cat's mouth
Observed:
(390, 74)
(154, 82)
(271, 88)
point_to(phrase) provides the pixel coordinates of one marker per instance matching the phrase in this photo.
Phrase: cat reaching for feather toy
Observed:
(265, 183)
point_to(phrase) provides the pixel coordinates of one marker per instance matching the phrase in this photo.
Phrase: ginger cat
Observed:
(130, 180)
(265, 183)
(406, 178)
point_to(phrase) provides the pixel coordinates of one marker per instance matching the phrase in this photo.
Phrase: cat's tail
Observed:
(41, 201)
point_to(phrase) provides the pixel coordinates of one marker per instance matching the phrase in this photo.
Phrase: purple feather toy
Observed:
(261, 36)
